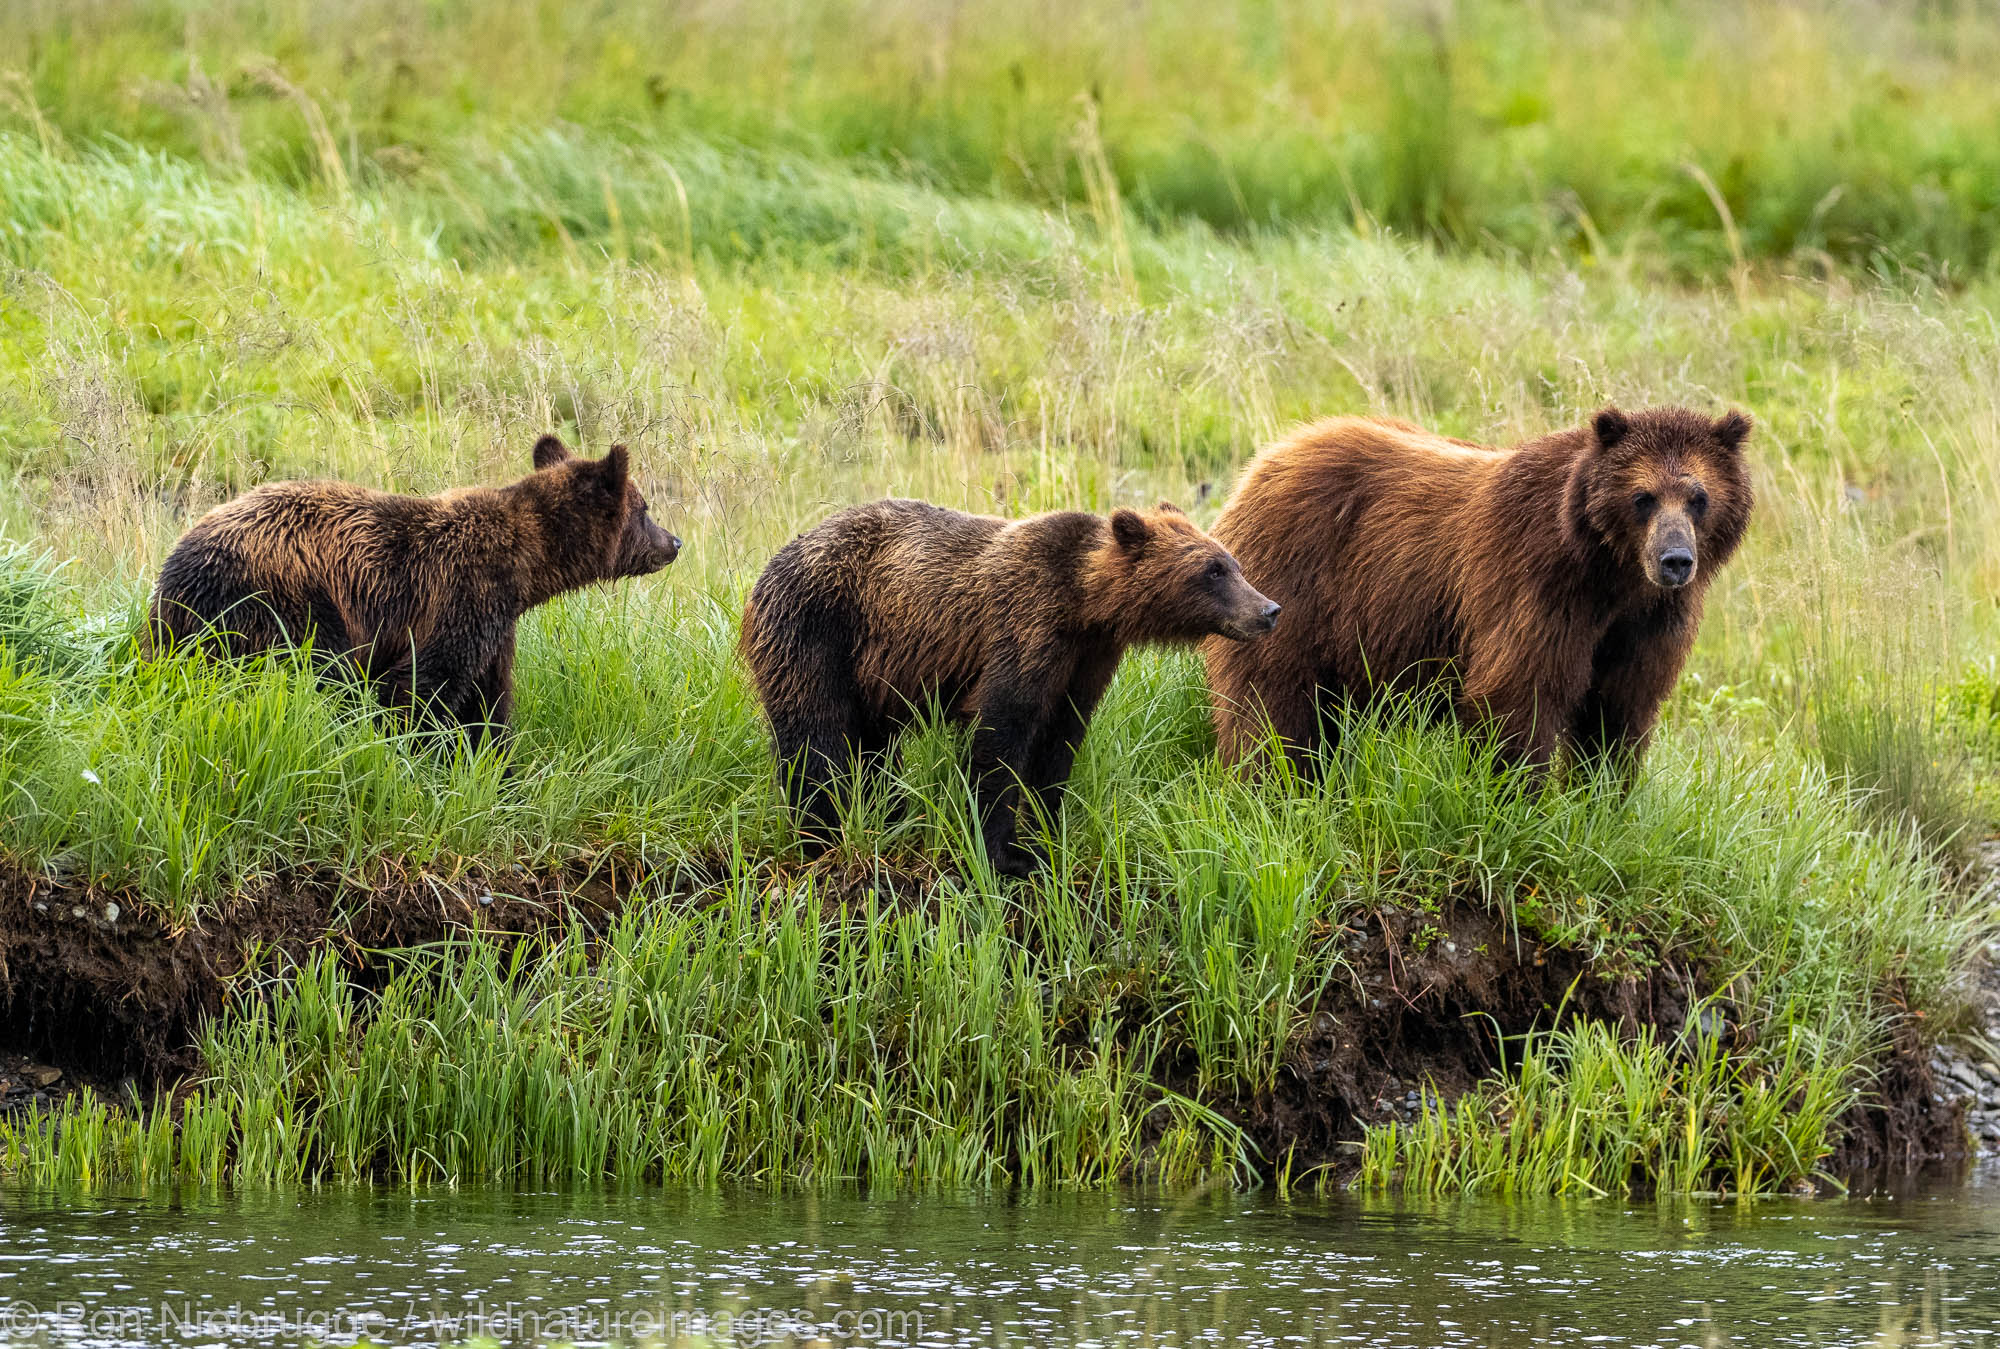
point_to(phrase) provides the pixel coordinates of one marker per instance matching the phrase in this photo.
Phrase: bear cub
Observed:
(418, 595)
(860, 623)
(1552, 590)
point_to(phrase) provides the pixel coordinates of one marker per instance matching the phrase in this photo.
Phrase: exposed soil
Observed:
(92, 993)
(1429, 998)
(1966, 1069)
(91, 984)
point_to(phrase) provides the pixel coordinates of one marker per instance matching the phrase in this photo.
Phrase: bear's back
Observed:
(1339, 454)
(318, 512)
(310, 553)
(1348, 485)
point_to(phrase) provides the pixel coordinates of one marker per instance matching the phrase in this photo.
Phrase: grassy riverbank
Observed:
(403, 286)
(1198, 985)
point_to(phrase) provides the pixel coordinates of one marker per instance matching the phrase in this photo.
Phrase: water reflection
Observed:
(747, 1267)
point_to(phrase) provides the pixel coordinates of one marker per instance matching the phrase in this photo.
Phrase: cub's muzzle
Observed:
(1261, 617)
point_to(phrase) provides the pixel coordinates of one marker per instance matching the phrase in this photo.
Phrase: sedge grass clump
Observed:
(1583, 1111)
(1876, 701)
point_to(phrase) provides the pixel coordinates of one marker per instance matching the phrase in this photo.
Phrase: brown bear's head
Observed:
(1180, 584)
(1664, 490)
(633, 544)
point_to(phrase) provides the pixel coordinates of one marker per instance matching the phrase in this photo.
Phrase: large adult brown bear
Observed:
(862, 622)
(420, 595)
(1553, 588)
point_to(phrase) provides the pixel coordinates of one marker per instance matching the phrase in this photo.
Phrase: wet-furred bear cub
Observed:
(859, 624)
(418, 595)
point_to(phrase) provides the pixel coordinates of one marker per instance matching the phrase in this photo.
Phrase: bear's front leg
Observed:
(1054, 754)
(1049, 763)
(1526, 681)
(1632, 674)
(1527, 720)
(999, 759)
(490, 710)
(1013, 710)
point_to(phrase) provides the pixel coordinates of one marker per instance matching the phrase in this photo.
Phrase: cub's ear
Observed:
(1168, 508)
(617, 467)
(1611, 427)
(1129, 528)
(1732, 428)
(550, 451)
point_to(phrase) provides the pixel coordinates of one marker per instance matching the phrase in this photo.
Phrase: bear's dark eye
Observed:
(1644, 504)
(1698, 503)
(1215, 571)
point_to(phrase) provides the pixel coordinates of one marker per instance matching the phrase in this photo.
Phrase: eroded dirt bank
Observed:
(109, 995)
(94, 995)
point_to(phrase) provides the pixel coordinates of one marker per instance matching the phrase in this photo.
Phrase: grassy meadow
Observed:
(801, 255)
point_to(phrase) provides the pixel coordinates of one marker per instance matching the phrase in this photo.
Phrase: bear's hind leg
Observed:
(822, 733)
(814, 759)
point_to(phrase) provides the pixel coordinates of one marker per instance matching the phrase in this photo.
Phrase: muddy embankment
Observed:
(95, 988)
(95, 995)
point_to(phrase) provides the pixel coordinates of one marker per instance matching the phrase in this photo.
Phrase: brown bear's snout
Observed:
(653, 549)
(1255, 614)
(1670, 558)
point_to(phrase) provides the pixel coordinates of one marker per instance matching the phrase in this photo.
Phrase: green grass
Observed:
(1681, 136)
(797, 264)
(1585, 1112)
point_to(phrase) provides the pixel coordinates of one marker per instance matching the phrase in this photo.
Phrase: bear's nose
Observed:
(673, 545)
(1268, 619)
(1676, 565)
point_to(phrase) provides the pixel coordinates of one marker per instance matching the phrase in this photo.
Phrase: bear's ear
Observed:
(617, 467)
(1732, 428)
(550, 451)
(1130, 530)
(1611, 427)
(1168, 508)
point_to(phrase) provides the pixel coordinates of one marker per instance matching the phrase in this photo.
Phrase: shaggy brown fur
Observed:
(418, 594)
(1554, 588)
(859, 624)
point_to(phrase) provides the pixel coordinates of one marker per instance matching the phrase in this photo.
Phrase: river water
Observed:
(743, 1267)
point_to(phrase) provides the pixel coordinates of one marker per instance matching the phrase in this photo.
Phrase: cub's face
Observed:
(640, 547)
(644, 547)
(1184, 584)
(1666, 490)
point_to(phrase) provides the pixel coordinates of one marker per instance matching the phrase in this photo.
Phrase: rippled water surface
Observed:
(747, 1267)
